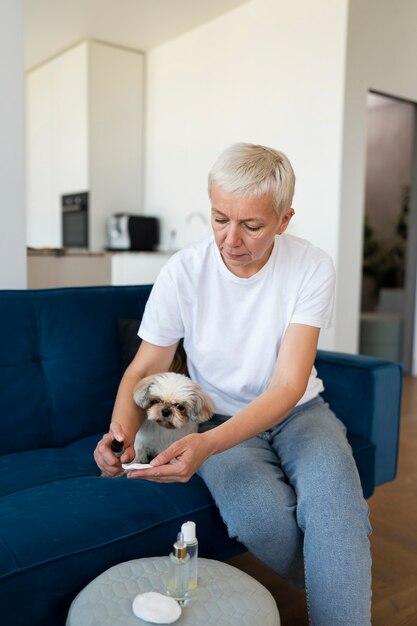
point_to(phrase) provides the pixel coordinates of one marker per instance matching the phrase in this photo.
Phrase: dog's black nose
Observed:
(166, 411)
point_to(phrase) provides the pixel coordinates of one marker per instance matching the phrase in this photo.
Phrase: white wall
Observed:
(381, 55)
(271, 72)
(12, 174)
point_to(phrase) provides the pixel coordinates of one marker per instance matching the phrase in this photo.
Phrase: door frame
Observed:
(409, 349)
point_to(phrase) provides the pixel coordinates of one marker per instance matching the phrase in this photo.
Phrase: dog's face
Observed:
(171, 400)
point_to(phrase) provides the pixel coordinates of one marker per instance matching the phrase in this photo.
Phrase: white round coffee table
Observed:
(225, 596)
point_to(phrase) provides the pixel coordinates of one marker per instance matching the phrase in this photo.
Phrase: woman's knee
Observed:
(255, 502)
(332, 493)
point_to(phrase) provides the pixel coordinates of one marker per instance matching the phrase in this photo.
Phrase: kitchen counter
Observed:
(60, 252)
(75, 267)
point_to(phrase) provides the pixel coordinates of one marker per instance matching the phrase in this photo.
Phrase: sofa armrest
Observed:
(365, 394)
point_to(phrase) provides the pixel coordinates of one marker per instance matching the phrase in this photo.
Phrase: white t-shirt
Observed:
(233, 327)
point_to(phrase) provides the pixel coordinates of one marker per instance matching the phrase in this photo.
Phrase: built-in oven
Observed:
(75, 220)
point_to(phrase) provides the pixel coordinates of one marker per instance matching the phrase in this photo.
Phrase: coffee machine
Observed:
(132, 232)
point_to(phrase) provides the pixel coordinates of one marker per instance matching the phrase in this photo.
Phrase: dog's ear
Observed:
(141, 393)
(202, 408)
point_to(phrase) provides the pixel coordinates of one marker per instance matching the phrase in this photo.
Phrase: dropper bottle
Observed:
(178, 570)
(188, 530)
(117, 447)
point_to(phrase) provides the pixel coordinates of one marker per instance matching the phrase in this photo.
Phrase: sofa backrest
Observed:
(60, 362)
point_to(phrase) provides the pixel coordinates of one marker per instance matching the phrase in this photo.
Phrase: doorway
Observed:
(389, 238)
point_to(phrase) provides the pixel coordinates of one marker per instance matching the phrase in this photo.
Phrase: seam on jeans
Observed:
(306, 588)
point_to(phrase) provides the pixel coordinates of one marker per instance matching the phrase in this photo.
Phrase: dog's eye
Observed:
(180, 407)
(154, 401)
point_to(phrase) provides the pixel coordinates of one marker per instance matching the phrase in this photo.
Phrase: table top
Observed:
(225, 596)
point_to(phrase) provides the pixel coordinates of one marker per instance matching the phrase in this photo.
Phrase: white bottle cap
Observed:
(188, 530)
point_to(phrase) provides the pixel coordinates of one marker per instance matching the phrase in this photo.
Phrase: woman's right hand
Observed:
(148, 360)
(108, 462)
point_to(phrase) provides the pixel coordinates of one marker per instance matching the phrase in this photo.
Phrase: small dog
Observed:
(174, 405)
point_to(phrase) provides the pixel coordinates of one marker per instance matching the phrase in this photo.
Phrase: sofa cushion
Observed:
(129, 342)
(62, 524)
(60, 362)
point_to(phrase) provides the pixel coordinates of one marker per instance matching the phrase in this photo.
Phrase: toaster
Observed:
(132, 232)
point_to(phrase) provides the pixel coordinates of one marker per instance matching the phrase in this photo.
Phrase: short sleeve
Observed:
(314, 305)
(161, 322)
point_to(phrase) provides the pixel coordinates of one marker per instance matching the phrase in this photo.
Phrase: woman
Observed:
(249, 304)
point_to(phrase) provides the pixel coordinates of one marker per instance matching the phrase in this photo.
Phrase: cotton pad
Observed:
(156, 608)
(136, 466)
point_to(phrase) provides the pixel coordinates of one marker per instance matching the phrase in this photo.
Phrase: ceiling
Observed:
(51, 26)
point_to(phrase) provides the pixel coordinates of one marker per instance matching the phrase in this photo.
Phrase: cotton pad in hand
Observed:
(156, 608)
(136, 466)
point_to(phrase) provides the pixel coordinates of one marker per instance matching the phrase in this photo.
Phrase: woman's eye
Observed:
(180, 407)
(154, 401)
(252, 229)
(218, 220)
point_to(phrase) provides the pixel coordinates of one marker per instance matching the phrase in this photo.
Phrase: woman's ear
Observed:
(285, 221)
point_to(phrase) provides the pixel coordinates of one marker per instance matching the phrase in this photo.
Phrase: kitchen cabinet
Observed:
(50, 268)
(137, 268)
(84, 113)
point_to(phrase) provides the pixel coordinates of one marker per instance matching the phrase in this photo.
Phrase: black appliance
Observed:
(132, 232)
(75, 220)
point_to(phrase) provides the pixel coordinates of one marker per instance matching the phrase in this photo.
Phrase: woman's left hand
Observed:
(178, 462)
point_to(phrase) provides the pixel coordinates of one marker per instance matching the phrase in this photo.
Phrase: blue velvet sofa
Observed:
(61, 523)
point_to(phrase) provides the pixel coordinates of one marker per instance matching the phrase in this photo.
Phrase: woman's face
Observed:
(244, 230)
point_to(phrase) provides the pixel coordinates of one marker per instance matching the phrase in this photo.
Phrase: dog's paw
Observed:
(142, 456)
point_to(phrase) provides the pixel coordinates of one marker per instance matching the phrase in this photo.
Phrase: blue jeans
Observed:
(293, 497)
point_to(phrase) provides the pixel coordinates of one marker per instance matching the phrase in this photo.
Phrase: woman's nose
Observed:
(233, 236)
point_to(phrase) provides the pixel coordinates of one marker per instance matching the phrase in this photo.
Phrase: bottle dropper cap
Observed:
(180, 549)
(117, 446)
(188, 530)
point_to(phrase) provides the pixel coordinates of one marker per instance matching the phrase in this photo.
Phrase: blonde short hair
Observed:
(251, 170)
